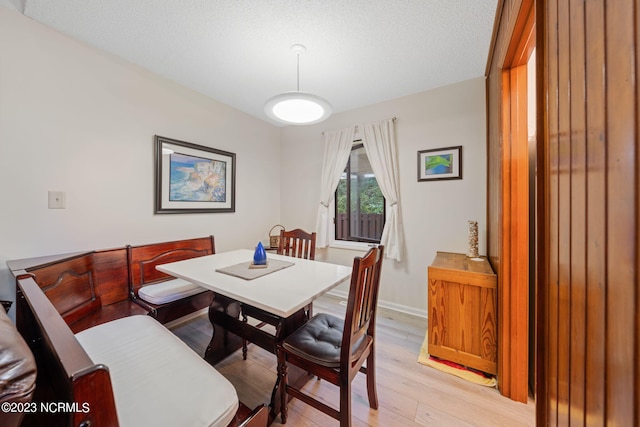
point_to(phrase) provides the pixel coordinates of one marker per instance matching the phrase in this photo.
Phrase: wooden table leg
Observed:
(223, 342)
(296, 376)
(229, 329)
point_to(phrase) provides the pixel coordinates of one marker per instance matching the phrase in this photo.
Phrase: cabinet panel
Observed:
(462, 311)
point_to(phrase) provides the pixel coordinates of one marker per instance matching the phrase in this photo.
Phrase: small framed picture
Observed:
(440, 164)
(193, 178)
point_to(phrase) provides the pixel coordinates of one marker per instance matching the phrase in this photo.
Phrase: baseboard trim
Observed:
(186, 318)
(387, 304)
(338, 294)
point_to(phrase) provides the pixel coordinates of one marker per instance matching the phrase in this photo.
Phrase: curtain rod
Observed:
(392, 118)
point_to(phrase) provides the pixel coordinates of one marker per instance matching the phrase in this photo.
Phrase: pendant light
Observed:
(298, 108)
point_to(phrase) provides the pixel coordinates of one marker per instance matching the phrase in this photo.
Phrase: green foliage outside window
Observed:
(359, 201)
(371, 199)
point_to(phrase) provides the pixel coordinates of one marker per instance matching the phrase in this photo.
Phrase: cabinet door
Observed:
(462, 321)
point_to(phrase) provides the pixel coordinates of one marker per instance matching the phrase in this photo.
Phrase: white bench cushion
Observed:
(169, 291)
(157, 379)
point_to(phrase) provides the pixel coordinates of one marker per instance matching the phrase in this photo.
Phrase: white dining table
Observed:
(285, 294)
(282, 292)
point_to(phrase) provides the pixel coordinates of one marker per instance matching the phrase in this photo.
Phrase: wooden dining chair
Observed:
(295, 243)
(334, 349)
(300, 244)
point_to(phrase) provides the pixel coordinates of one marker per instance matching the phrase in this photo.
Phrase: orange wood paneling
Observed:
(553, 142)
(588, 176)
(542, 292)
(507, 199)
(621, 194)
(516, 221)
(504, 273)
(578, 209)
(596, 207)
(637, 223)
(564, 211)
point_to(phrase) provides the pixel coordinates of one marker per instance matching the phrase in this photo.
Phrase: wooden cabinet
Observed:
(462, 311)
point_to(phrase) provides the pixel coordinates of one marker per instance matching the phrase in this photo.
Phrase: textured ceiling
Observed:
(359, 52)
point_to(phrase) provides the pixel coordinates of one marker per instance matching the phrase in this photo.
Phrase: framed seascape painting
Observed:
(440, 164)
(192, 178)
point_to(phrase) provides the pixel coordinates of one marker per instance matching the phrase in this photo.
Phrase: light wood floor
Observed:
(409, 393)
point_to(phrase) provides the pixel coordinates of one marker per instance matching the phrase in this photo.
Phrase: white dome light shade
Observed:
(298, 108)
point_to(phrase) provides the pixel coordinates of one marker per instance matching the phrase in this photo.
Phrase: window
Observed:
(359, 201)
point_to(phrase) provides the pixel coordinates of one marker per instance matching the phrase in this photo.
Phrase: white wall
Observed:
(435, 213)
(78, 120)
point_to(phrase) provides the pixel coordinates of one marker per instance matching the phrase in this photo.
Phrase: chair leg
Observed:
(309, 310)
(282, 372)
(345, 404)
(244, 341)
(371, 379)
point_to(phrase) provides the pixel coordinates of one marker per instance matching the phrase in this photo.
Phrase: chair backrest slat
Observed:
(297, 243)
(363, 300)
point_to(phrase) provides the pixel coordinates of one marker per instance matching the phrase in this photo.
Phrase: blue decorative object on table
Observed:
(260, 255)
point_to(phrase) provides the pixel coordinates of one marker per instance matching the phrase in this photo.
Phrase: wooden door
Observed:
(588, 340)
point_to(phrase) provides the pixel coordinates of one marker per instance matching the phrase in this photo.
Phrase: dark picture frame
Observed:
(192, 178)
(440, 164)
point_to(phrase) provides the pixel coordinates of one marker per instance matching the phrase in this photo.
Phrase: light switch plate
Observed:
(57, 200)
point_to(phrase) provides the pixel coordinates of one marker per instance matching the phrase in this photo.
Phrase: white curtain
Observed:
(380, 144)
(336, 154)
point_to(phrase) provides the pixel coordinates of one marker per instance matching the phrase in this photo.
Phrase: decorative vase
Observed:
(473, 239)
(260, 255)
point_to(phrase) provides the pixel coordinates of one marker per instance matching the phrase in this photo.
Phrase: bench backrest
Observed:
(143, 259)
(66, 374)
(112, 275)
(70, 285)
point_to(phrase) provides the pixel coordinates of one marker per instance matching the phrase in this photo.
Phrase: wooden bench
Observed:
(92, 393)
(94, 287)
(166, 297)
(88, 288)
